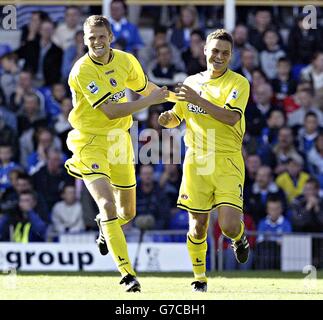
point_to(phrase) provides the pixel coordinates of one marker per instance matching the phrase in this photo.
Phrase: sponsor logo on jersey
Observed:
(117, 96)
(93, 88)
(184, 196)
(194, 108)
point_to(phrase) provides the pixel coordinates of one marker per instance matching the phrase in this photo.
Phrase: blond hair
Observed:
(97, 21)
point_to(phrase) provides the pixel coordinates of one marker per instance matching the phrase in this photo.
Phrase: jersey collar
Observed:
(100, 63)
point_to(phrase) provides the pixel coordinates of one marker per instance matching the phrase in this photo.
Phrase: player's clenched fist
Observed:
(165, 118)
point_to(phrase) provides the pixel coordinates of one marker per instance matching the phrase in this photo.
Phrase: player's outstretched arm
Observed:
(168, 120)
(120, 110)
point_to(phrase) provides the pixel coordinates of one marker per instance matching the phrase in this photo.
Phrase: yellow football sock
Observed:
(117, 245)
(197, 250)
(122, 221)
(238, 237)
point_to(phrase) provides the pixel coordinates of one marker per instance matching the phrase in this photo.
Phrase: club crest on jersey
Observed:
(93, 88)
(194, 108)
(95, 166)
(113, 82)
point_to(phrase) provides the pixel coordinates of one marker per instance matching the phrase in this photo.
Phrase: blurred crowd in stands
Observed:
(283, 145)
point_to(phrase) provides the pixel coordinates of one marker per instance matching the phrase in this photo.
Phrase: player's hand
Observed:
(165, 118)
(186, 93)
(158, 96)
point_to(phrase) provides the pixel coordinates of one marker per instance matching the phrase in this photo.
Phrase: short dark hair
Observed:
(98, 21)
(314, 181)
(30, 193)
(274, 198)
(311, 114)
(220, 34)
(283, 59)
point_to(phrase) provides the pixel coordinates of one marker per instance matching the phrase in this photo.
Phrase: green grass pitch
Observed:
(161, 286)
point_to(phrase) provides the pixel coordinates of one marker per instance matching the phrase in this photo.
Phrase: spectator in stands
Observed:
(293, 180)
(315, 156)
(62, 125)
(30, 113)
(22, 183)
(229, 260)
(151, 199)
(271, 228)
(43, 57)
(25, 85)
(302, 42)
(73, 53)
(257, 115)
(165, 72)
(6, 166)
(284, 149)
(263, 187)
(248, 63)
(270, 55)
(314, 71)
(53, 176)
(283, 84)
(64, 34)
(253, 163)
(27, 142)
(54, 96)
(240, 38)
(262, 21)
(26, 223)
(307, 209)
(269, 135)
(9, 77)
(30, 31)
(67, 215)
(122, 29)
(170, 181)
(148, 54)
(187, 22)
(37, 159)
(258, 78)
(308, 133)
(305, 101)
(194, 57)
(8, 135)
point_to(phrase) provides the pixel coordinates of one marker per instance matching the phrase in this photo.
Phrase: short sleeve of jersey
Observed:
(87, 80)
(178, 110)
(238, 97)
(137, 80)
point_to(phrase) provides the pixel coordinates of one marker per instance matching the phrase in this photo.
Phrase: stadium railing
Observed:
(272, 251)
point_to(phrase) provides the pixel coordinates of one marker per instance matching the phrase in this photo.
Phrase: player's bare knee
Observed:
(129, 214)
(199, 230)
(230, 229)
(109, 208)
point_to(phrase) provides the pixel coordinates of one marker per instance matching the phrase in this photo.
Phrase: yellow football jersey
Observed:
(230, 91)
(93, 83)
